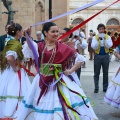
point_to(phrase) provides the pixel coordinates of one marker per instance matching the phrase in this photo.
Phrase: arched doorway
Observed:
(113, 25)
(77, 21)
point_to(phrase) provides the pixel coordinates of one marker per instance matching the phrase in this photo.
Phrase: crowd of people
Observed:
(56, 91)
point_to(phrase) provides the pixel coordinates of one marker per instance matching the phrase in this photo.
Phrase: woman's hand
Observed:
(67, 72)
(28, 30)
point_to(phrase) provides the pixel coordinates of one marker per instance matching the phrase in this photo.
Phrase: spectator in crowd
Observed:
(39, 37)
(90, 49)
(2, 38)
(101, 44)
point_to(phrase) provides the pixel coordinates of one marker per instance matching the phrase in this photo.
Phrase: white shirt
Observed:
(83, 45)
(82, 34)
(108, 43)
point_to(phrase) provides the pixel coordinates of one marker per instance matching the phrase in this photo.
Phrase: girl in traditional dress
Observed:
(112, 95)
(14, 82)
(54, 95)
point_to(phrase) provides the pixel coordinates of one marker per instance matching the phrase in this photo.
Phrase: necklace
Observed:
(50, 60)
(50, 44)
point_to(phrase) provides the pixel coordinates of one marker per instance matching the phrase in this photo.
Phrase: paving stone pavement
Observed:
(102, 110)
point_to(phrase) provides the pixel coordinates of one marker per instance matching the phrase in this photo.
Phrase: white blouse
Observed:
(13, 53)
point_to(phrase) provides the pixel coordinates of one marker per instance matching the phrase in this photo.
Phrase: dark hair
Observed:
(47, 26)
(13, 28)
(91, 30)
(67, 30)
(83, 29)
(6, 26)
(116, 33)
(109, 33)
(100, 25)
(119, 34)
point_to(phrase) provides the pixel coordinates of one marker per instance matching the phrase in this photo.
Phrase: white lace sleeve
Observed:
(28, 52)
(80, 58)
(13, 53)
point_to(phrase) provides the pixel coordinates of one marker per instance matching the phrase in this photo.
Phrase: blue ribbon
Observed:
(8, 39)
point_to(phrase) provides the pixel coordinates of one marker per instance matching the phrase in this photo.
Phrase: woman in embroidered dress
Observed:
(14, 82)
(54, 95)
(112, 95)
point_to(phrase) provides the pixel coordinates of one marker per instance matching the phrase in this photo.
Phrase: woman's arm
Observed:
(74, 68)
(28, 34)
(12, 62)
(78, 62)
(117, 55)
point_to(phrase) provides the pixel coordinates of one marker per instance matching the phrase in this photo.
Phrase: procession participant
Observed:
(69, 41)
(112, 96)
(53, 94)
(114, 39)
(14, 82)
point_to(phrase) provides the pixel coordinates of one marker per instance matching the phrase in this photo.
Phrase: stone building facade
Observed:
(110, 17)
(34, 11)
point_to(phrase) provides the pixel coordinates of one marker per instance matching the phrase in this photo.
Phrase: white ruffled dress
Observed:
(49, 106)
(112, 95)
(10, 93)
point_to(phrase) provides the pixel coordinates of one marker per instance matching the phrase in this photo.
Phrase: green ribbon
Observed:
(11, 97)
(49, 69)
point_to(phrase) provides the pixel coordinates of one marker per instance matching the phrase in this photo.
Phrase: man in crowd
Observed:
(39, 37)
(101, 44)
(2, 39)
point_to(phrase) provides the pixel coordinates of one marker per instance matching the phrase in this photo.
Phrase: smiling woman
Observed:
(55, 94)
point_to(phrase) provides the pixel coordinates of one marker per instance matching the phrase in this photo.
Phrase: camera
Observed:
(100, 38)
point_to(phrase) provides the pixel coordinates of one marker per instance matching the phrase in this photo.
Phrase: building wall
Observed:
(60, 7)
(34, 11)
(0, 18)
(112, 12)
